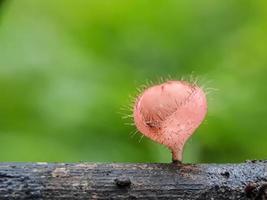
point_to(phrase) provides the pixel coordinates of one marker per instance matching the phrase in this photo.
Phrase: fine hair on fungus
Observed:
(169, 113)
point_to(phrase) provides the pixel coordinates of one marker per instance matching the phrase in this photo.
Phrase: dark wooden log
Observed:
(133, 181)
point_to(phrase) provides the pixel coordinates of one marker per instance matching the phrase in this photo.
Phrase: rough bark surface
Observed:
(133, 181)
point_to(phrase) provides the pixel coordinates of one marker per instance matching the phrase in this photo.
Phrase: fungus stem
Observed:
(177, 156)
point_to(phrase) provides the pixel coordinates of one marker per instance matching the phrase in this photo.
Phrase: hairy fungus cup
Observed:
(169, 114)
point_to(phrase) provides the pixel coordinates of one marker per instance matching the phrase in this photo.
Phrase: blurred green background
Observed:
(67, 67)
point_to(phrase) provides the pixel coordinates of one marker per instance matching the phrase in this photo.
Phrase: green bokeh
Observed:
(67, 67)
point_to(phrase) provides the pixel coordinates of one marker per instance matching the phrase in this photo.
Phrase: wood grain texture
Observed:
(133, 181)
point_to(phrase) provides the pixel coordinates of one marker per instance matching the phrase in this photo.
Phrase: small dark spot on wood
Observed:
(256, 191)
(3, 175)
(132, 197)
(26, 185)
(27, 192)
(225, 174)
(123, 182)
(250, 190)
(262, 192)
(35, 195)
(108, 173)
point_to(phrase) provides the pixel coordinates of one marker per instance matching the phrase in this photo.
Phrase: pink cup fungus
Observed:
(169, 114)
